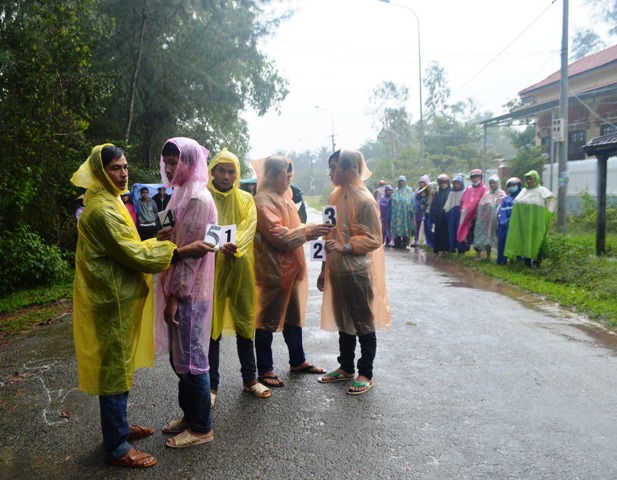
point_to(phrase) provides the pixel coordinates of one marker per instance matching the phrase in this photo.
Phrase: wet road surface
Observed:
(474, 380)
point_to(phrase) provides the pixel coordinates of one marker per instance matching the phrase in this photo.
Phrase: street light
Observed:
(332, 118)
(419, 75)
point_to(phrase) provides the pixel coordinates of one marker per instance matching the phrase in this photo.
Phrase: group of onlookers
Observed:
(250, 286)
(455, 219)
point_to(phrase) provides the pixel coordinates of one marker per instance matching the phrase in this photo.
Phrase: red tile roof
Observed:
(582, 65)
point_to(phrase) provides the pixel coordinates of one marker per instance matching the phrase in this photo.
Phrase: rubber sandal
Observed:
(310, 368)
(332, 377)
(259, 390)
(264, 380)
(137, 431)
(133, 459)
(212, 400)
(365, 386)
(185, 439)
(175, 426)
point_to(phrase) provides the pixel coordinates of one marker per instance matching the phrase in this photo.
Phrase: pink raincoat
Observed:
(189, 280)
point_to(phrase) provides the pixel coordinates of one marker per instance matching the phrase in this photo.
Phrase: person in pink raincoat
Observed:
(469, 208)
(184, 293)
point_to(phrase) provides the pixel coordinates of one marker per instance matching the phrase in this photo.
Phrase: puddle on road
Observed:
(457, 276)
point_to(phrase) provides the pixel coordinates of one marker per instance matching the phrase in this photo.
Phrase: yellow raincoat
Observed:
(235, 295)
(355, 298)
(113, 309)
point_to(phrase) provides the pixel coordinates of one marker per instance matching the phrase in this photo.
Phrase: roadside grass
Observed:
(315, 201)
(571, 275)
(23, 309)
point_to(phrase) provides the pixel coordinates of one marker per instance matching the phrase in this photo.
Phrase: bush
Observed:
(28, 262)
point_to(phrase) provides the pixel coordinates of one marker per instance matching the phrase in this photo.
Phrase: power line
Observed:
(505, 48)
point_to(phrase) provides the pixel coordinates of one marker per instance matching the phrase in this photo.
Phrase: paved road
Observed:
(473, 381)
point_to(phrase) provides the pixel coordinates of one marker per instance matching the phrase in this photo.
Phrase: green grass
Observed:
(315, 201)
(26, 308)
(571, 275)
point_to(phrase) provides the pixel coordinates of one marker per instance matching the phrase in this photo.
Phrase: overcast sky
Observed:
(334, 52)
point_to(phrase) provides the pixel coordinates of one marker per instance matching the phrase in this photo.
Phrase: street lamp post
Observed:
(419, 74)
(332, 119)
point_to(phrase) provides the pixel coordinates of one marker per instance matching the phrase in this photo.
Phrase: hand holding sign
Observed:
(220, 235)
(329, 214)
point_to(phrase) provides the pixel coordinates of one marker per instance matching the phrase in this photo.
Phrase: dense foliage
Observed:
(76, 73)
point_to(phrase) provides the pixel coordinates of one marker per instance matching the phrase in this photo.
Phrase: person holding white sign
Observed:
(280, 269)
(354, 276)
(235, 295)
(184, 293)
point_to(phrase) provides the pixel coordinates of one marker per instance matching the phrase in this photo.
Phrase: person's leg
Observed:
(488, 253)
(213, 360)
(263, 351)
(293, 339)
(246, 355)
(347, 352)
(368, 349)
(114, 425)
(197, 402)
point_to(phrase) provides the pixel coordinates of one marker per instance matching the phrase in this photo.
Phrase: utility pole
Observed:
(563, 114)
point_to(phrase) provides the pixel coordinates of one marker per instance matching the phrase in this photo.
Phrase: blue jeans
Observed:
(263, 348)
(194, 399)
(347, 348)
(114, 424)
(246, 355)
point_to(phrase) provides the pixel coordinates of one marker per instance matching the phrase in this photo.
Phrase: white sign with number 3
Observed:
(318, 250)
(329, 214)
(220, 235)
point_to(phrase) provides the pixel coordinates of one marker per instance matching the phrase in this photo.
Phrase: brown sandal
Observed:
(137, 431)
(133, 459)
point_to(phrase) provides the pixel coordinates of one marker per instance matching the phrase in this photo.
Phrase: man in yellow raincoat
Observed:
(112, 299)
(235, 295)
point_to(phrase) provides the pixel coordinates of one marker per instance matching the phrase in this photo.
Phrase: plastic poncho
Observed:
(280, 266)
(402, 210)
(385, 211)
(190, 280)
(113, 307)
(355, 299)
(469, 208)
(235, 294)
(531, 213)
(485, 232)
(441, 242)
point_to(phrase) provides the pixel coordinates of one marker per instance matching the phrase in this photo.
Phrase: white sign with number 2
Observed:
(318, 250)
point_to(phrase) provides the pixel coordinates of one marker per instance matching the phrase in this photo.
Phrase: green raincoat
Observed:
(531, 213)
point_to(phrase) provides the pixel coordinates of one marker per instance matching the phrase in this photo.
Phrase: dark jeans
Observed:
(114, 424)
(368, 349)
(194, 399)
(246, 355)
(263, 348)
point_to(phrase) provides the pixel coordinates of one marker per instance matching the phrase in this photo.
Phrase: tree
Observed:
(48, 95)
(436, 83)
(528, 156)
(391, 118)
(584, 43)
(190, 68)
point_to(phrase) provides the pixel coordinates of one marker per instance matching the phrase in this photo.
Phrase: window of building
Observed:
(576, 140)
(608, 129)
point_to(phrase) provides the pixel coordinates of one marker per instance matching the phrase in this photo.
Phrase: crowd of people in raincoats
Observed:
(454, 218)
(211, 283)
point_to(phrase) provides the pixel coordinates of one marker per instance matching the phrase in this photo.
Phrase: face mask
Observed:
(475, 184)
(513, 189)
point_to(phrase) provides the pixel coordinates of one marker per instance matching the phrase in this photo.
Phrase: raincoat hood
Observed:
(91, 174)
(537, 180)
(224, 156)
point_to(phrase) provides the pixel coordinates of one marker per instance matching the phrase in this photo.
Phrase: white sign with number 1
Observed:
(219, 235)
